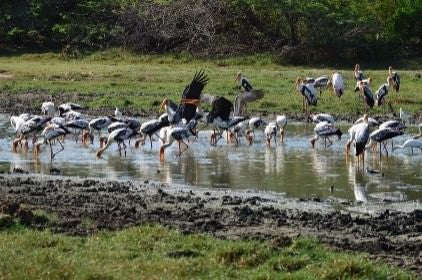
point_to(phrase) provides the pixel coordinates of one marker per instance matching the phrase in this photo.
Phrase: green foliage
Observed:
(300, 31)
(154, 252)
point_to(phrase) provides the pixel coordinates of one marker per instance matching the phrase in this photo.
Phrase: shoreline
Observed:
(392, 236)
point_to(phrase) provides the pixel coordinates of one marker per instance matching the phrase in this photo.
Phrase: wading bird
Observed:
(321, 83)
(381, 135)
(66, 107)
(48, 108)
(98, 124)
(79, 126)
(322, 117)
(358, 73)
(271, 132)
(325, 129)
(179, 134)
(253, 124)
(380, 95)
(404, 116)
(220, 118)
(242, 99)
(50, 134)
(281, 122)
(151, 128)
(118, 136)
(359, 133)
(410, 143)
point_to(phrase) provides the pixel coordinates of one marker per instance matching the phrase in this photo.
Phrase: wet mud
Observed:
(86, 206)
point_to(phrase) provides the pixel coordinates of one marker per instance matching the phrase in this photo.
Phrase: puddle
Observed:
(292, 168)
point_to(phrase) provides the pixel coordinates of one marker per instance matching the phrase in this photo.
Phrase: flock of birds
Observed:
(228, 120)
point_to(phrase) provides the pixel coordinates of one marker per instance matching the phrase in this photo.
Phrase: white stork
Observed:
(394, 78)
(118, 136)
(281, 122)
(179, 134)
(325, 129)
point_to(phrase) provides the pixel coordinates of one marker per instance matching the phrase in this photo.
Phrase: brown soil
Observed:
(394, 237)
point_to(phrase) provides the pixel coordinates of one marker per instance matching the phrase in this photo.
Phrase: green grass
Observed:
(154, 252)
(119, 78)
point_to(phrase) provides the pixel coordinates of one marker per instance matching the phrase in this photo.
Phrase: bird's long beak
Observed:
(162, 153)
(162, 105)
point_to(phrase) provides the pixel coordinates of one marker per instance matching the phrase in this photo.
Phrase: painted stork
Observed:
(66, 107)
(72, 115)
(78, 126)
(51, 133)
(321, 83)
(28, 127)
(365, 82)
(380, 95)
(381, 135)
(322, 117)
(151, 128)
(271, 132)
(358, 73)
(191, 98)
(179, 134)
(420, 132)
(243, 82)
(116, 125)
(242, 99)
(367, 94)
(133, 123)
(371, 121)
(281, 122)
(410, 143)
(325, 129)
(118, 136)
(394, 78)
(220, 118)
(170, 108)
(98, 124)
(253, 124)
(48, 108)
(359, 133)
(308, 92)
(337, 84)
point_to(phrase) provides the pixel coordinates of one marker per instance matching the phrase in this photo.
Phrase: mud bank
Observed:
(85, 206)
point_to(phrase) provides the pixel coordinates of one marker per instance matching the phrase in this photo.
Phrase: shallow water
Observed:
(292, 168)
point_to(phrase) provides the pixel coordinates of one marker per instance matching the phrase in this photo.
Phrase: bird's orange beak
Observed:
(165, 102)
(162, 153)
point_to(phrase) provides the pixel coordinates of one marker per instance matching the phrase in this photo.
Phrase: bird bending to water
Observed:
(271, 132)
(381, 135)
(325, 129)
(281, 122)
(51, 132)
(410, 143)
(118, 136)
(179, 134)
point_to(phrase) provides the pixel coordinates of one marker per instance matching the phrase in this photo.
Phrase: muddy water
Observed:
(292, 168)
